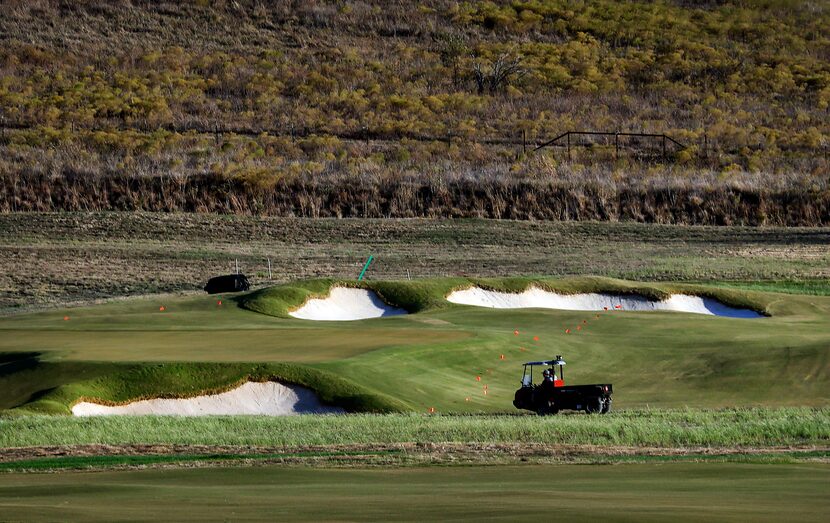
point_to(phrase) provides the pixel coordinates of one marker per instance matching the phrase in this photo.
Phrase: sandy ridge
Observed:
(535, 297)
(251, 398)
(346, 304)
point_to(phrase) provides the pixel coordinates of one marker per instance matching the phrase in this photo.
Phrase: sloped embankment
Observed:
(264, 399)
(328, 299)
(190, 380)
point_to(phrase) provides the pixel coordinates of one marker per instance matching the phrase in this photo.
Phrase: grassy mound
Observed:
(183, 380)
(430, 294)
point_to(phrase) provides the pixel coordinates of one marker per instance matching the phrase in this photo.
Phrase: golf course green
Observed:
(441, 356)
(629, 492)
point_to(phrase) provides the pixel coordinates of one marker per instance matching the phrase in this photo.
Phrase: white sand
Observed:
(268, 399)
(538, 298)
(346, 304)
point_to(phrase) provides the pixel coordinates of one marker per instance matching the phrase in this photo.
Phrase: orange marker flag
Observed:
(478, 378)
(219, 302)
(567, 331)
(431, 410)
(536, 338)
(579, 327)
(161, 308)
(515, 333)
(66, 318)
(618, 306)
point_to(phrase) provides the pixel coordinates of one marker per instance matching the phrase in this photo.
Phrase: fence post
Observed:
(569, 147)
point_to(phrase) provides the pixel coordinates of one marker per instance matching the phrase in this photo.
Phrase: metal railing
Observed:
(661, 139)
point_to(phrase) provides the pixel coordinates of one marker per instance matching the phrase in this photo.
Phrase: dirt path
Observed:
(387, 455)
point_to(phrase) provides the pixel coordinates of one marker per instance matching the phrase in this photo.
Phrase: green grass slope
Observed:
(177, 380)
(444, 356)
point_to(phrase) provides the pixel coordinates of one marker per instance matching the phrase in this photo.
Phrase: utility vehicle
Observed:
(227, 283)
(551, 396)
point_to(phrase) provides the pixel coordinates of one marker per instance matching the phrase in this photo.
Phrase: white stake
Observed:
(269, 268)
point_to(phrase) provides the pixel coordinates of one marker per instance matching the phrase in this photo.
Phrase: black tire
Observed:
(547, 410)
(594, 405)
(606, 405)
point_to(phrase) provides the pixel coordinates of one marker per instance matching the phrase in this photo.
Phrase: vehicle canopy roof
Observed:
(557, 361)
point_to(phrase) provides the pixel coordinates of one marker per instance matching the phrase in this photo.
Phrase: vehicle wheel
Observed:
(547, 410)
(606, 406)
(594, 405)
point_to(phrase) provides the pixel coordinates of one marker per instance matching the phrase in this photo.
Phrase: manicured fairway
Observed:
(630, 492)
(197, 329)
(448, 357)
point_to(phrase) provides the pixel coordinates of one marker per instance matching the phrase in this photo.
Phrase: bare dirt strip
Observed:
(400, 454)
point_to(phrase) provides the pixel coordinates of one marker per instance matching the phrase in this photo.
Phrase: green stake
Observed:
(365, 267)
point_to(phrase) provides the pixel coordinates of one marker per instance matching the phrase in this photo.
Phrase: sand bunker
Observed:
(538, 298)
(346, 304)
(266, 399)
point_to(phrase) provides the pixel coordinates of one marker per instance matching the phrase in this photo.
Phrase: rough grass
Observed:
(657, 428)
(53, 259)
(814, 287)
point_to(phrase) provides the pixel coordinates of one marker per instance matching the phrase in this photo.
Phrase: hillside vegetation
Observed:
(418, 108)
